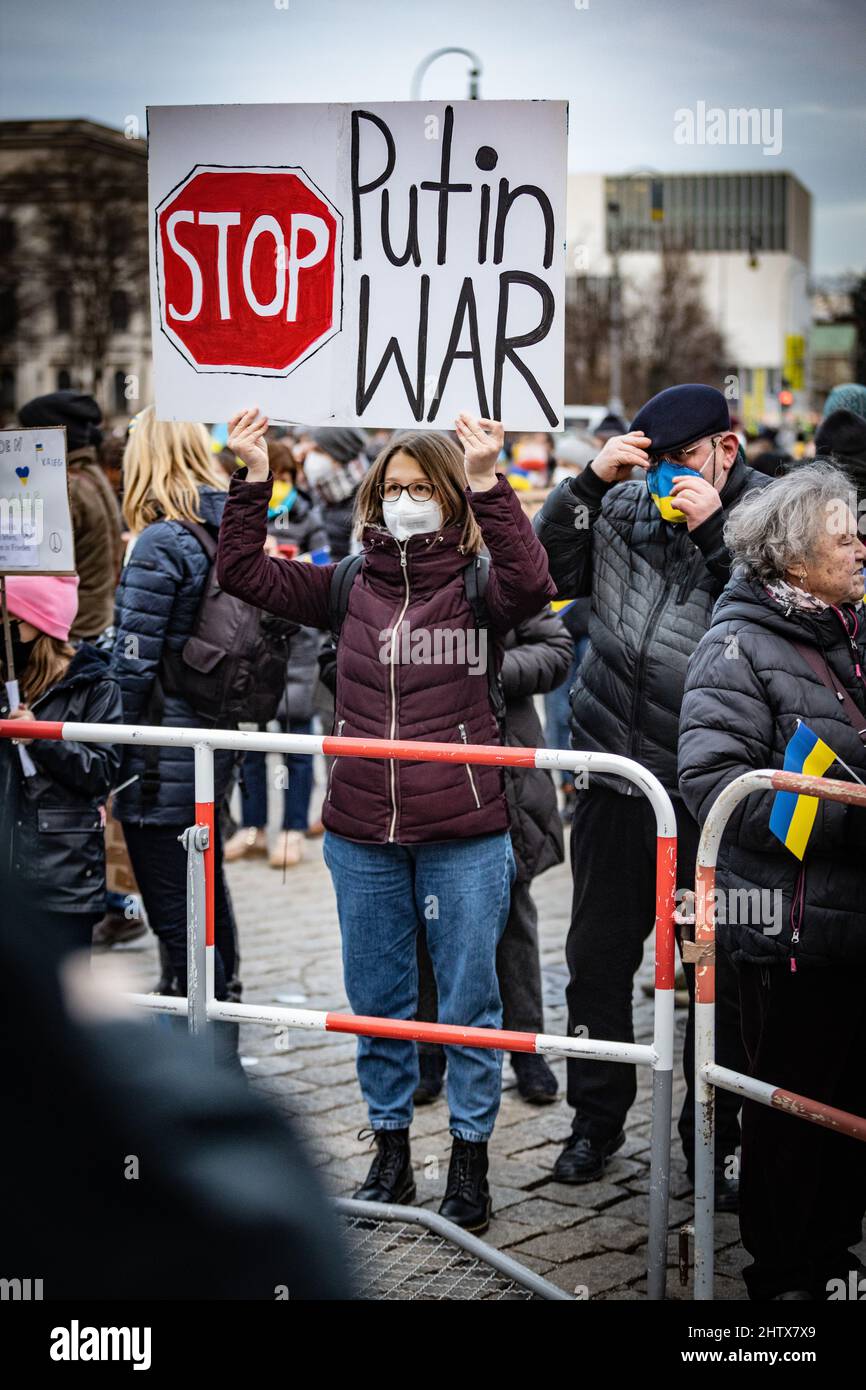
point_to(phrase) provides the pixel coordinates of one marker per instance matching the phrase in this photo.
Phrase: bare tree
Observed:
(587, 328)
(670, 337)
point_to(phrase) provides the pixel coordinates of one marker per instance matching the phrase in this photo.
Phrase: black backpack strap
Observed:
(475, 577)
(204, 536)
(344, 575)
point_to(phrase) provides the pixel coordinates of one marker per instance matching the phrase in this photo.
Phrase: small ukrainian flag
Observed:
(561, 605)
(793, 814)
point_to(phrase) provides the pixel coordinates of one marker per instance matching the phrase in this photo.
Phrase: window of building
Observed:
(121, 404)
(119, 311)
(8, 310)
(62, 311)
(7, 236)
(7, 389)
(64, 380)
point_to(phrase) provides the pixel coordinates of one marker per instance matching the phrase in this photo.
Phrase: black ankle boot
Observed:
(390, 1178)
(467, 1194)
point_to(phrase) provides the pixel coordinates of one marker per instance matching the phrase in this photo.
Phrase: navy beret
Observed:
(680, 415)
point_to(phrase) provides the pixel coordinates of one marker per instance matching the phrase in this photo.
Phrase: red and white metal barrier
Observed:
(708, 1074)
(201, 1007)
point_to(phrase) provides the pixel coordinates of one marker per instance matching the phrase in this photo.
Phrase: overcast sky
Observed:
(625, 66)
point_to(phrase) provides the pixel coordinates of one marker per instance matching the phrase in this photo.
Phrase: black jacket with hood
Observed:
(537, 657)
(747, 686)
(653, 586)
(52, 824)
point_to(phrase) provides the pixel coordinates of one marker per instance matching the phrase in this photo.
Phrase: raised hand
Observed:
(620, 455)
(247, 441)
(482, 444)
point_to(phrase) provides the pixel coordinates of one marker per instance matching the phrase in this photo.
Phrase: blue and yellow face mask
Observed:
(660, 482)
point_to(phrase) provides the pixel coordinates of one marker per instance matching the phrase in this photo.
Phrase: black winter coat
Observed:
(537, 657)
(52, 824)
(304, 527)
(746, 688)
(157, 601)
(653, 585)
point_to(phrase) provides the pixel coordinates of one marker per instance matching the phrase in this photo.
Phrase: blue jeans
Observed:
(296, 802)
(459, 891)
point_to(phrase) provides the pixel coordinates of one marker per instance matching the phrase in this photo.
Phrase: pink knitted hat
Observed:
(48, 601)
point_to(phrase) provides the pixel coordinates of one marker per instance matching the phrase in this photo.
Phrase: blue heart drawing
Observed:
(23, 473)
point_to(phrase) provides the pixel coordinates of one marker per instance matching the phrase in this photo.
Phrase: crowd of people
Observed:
(684, 597)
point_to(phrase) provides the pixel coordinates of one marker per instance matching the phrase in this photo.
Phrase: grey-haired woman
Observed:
(787, 643)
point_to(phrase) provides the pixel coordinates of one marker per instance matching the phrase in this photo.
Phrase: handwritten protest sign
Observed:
(385, 265)
(35, 521)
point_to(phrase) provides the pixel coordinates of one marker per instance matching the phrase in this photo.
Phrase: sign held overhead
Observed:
(386, 265)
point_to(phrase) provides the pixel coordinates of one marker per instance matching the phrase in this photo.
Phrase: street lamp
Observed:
(474, 71)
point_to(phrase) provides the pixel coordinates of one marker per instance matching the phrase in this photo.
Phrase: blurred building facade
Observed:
(748, 236)
(74, 307)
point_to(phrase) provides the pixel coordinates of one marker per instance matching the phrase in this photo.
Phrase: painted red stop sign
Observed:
(249, 266)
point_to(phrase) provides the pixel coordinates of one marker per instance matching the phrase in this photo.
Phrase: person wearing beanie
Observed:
(609, 426)
(651, 555)
(52, 817)
(849, 396)
(96, 523)
(334, 464)
(841, 436)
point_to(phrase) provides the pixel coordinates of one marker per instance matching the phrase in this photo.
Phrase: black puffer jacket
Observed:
(746, 688)
(157, 601)
(653, 586)
(304, 527)
(51, 825)
(537, 657)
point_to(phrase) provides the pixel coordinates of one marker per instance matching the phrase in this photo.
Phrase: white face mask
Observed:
(317, 467)
(406, 517)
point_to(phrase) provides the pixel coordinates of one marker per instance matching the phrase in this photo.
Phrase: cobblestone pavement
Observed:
(590, 1239)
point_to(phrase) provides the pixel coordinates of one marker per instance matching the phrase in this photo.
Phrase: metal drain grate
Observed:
(407, 1253)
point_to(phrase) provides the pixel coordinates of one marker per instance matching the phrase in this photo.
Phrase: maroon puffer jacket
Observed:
(379, 693)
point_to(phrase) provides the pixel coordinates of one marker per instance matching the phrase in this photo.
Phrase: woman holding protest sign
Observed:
(412, 844)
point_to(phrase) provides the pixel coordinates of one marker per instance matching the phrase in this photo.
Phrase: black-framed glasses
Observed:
(419, 491)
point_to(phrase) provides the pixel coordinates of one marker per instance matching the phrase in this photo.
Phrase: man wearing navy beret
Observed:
(650, 552)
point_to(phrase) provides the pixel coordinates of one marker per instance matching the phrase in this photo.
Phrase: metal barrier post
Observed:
(708, 1074)
(663, 1067)
(204, 815)
(195, 841)
(705, 1051)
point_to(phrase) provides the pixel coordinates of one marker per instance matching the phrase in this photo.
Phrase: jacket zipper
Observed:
(392, 767)
(462, 728)
(334, 763)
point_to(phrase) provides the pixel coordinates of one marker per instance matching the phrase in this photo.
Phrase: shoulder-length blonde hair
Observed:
(164, 465)
(442, 463)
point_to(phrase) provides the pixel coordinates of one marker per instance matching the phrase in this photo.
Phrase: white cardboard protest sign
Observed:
(386, 265)
(35, 520)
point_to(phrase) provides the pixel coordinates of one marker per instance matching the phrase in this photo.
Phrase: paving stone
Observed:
(545, 1215)
(598, 1273)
